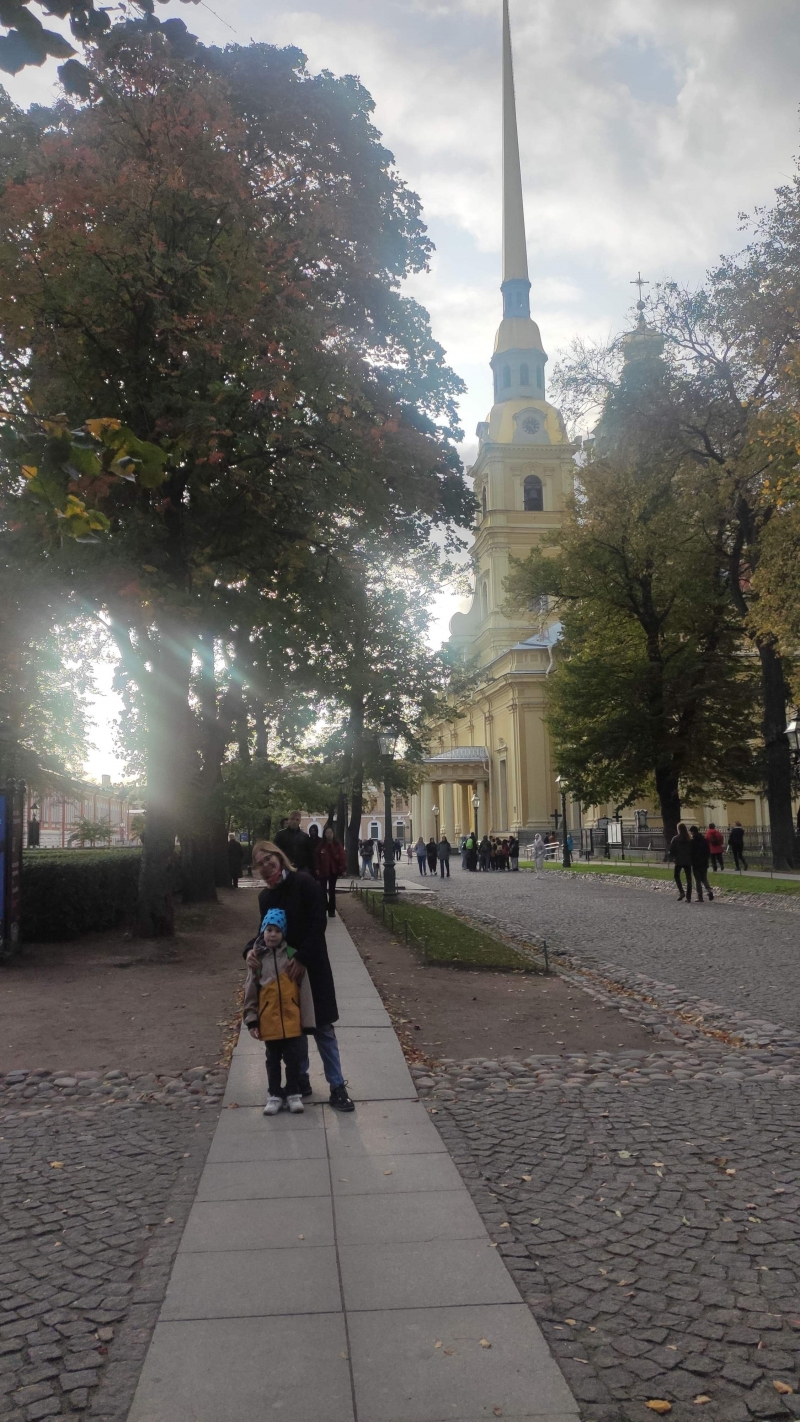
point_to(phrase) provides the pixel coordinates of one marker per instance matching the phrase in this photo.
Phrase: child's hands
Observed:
(254, 1033)
(252, 960)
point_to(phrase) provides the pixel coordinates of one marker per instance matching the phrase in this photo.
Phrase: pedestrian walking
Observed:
(314, 842)
(279, 1010)
(736, 845)
(484, 854)
(235, 857)
(701, 855)
(443, 854)
(295, 843)
(513, 854)
(680, 852)
(472, 854)
(422, 855)
(409, 852)
(538, 853)
(367, 851)
(378, 850)
(432, 853)
(303, 902)
(716, 844)
(331, 862)
(398, 849)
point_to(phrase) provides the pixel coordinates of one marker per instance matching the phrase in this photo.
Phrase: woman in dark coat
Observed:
(303, 901)
(431, 854)
(331, 861)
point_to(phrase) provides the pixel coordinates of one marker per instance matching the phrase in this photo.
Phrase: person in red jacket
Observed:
(716, 844)
(331, 861)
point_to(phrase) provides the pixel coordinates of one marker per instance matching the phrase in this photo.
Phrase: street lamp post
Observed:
(476, 804)
(387, 744)
(435, 813)
(566, 857)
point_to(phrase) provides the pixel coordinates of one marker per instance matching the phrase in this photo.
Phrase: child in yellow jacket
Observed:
(278, 1010)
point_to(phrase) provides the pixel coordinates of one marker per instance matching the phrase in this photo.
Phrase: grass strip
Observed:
(449, 942)
(733, 883)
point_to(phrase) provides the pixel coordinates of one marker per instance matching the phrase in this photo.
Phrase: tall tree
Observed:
(650, 694)
(150, 263)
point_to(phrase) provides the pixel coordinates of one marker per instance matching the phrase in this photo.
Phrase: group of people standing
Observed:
(372, 851)
(320, 855)
(692, 852)
(431, 854)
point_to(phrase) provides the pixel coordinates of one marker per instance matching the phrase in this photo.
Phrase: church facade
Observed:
(490, 767)
(496, 751)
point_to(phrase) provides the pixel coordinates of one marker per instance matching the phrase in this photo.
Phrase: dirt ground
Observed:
(446, 1012)
(109, 1000)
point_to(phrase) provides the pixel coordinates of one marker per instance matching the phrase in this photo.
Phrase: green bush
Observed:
(69, 892)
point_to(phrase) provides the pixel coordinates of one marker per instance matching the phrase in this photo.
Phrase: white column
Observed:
(448, 811)
(426, 811)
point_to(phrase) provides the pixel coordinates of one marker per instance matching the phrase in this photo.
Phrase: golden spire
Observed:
(515, 254)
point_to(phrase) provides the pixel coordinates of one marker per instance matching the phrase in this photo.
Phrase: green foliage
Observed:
(91, 832)
(28, 42)
(71, 892)
(651, 692)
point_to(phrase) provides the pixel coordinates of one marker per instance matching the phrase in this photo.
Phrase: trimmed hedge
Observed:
(72, 891)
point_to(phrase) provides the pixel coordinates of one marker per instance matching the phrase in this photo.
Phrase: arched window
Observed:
(524, 375)
(483, 500)
(506, 376)
(533, 494)
(539, 379)
(484, 600)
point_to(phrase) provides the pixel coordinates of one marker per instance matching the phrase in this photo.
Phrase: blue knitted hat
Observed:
(274, 918)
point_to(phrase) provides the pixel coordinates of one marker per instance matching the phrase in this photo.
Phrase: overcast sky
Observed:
(646, 128)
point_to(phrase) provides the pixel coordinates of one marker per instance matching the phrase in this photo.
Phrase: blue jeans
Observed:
(328, 1048)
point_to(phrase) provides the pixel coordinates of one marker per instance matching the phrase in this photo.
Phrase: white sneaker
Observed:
(295, 1104)
(273, 1106)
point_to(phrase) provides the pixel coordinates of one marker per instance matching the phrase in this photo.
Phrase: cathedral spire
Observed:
(516, 286)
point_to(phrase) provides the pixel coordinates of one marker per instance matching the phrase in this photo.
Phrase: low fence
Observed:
(417, 944)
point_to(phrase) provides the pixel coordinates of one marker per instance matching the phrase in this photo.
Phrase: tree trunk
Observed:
(778, 759)
(166, 692)
(356, 739)
(197, 869)
(669, 800)
(341, 816)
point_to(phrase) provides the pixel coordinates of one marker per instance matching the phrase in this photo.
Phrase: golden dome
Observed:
(518, 333)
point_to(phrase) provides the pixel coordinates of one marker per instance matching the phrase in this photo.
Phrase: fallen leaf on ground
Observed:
(624, 1154)
(169, 1220)
(301, 1236)
(526, 1177)
(537, 1221)
(449, 1352)
(701, 1398)
(505, 1225)
(782, 1388)
(485, 1343)
(438, 1344)
(573, 1321)
(657, 1404)
(388, 1172)
(730, 1172)
(56, 1165)
(498, 1411)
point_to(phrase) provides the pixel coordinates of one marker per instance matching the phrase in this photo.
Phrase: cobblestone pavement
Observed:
(741, 956)
(647, 1206)
(96, 1179)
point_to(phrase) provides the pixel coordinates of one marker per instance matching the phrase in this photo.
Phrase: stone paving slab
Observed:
(272, 1271)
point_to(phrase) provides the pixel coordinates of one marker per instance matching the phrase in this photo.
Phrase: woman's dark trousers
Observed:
(684, 869)
(331, 887)
(292, 1052)
(738, 857)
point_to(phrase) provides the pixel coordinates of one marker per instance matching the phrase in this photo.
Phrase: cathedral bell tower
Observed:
(524, 469)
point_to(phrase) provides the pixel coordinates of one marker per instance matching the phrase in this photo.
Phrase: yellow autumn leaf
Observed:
(56, 1165)
(485, 1343)
(30, 471)
(783, 1388)
(657, 1404)
(96, 428)
(701, 1398)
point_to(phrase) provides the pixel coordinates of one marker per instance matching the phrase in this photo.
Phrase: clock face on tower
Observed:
(531, 425)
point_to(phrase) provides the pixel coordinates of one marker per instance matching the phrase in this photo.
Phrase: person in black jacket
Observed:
(736, 845)
(303, 901)
(700, 853)
(296, 844)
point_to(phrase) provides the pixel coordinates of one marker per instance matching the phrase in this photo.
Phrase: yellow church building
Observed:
(491, 767)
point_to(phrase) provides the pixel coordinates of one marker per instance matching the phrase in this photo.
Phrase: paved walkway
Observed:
(334, 1268)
